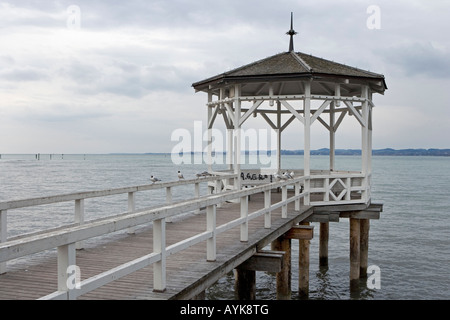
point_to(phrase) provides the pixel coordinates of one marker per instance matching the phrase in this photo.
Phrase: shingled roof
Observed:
(289, 66)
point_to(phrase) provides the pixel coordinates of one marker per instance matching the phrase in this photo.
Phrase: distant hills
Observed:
(355, 152)
(376, 152)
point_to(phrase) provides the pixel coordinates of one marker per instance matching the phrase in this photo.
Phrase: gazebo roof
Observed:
(289, 66)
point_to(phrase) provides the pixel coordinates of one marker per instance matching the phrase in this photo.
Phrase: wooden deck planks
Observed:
(187, 271)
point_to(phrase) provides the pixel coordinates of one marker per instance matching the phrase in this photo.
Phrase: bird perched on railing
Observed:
(154, 179)
(203, 174)
(180, 175)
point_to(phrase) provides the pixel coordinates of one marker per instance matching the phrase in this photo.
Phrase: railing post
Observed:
(66, 260)
(284, 198)
(159, 246)
(307, 198)
(169, 199)
(327, 188)
(3, 235)
(244, 214)
(131, 208)
(297, 193)
(79, 219)
(197, 194)
(348, 182)
(267, 203)
(211, 226)
(218, 187)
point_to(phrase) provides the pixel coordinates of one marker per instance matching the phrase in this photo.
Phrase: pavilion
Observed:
(306, 89)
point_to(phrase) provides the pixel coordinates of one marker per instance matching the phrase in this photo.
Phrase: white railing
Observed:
(215, 184)
(65, 239)
(324, 187)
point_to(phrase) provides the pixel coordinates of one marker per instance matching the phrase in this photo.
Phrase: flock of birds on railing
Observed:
(284, 176)
(154, 179)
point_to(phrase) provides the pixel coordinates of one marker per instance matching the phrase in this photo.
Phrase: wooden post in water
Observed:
(284, 276)
(354, 253)
(245, 284)
(323, 244)
(303, 266)
(364, 247)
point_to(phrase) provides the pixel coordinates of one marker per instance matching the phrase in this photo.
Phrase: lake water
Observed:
(410, 243)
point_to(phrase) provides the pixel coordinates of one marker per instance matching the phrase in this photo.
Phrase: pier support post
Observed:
(364, 247)
(323, 244)
(354, 253)
(284, 276)
(303, 266)
(245, 284)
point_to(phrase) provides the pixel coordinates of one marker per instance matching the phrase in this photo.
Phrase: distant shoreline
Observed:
(355, 152)
(321, 152)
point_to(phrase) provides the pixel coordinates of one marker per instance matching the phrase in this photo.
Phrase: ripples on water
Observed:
(410, 243)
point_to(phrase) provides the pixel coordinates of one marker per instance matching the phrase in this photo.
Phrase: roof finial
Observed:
(291, 33)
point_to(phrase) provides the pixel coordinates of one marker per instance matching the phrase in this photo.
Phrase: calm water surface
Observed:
(410, 243)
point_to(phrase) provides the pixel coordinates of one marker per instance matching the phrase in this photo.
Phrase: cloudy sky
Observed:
(82, 76)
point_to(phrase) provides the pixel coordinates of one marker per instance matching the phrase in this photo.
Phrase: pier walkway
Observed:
(174, 251)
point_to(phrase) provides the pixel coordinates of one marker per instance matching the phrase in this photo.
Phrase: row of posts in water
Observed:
(51, 156)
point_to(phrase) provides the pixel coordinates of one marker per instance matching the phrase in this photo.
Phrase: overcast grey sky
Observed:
(121, 82)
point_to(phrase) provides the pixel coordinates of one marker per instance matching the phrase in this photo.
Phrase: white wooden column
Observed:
(337, 93)
(3, 235)
(211, 226)
(237, 136)
(307, 137)
(244, 214)
(131, 208)
(66, 260)
(79, 218)
(365, 140)
(159, 246)
(209, 128)
(278, 137)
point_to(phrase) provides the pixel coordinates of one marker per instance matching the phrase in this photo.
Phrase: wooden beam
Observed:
(265, 260)
(300, 233)
(319, 111)
(364, 214)
(323, 217)
(293, 111)
(250, 111)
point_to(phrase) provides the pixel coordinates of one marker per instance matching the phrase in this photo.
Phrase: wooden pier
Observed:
(142, 256)
(178, 250)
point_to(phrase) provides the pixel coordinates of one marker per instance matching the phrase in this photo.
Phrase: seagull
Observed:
(203, 174)
(286, 176)
(180, 175)
(154, 179)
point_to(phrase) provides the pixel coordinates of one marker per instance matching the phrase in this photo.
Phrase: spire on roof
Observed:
(291, 33)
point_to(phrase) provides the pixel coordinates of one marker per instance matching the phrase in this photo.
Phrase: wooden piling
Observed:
(354, 253)
(283, 277)
(364, 247)
(245, 284)
(303, 266)
(323, 244)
